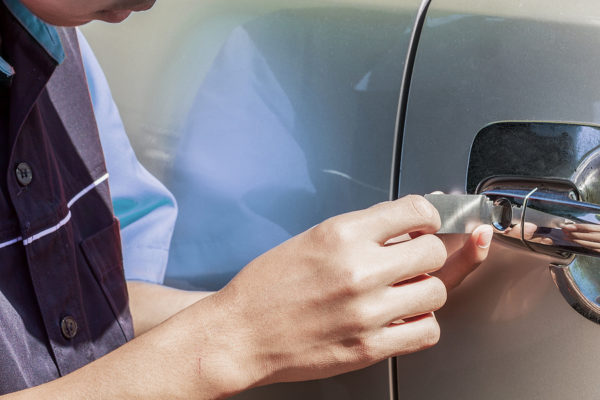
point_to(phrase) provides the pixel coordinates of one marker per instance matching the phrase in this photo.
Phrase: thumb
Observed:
(467, 259)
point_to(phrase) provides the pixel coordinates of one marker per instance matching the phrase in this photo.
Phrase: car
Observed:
(265, 118)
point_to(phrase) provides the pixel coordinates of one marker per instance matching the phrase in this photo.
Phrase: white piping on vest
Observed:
(11, 242)
(87, 189)
(63, 222)
(48, 231)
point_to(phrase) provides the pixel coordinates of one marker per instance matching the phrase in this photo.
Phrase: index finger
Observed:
(409, 214)
(581, 228)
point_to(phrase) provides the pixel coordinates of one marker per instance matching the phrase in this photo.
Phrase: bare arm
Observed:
(152, 304)
(333, 299)
(193, 355)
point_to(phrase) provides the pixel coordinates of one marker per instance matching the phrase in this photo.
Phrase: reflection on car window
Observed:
(294, 122)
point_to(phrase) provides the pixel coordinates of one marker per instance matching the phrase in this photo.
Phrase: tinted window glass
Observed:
(262, 124)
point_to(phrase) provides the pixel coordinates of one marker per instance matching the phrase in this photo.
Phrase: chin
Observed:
(145, 5)
(113, 16)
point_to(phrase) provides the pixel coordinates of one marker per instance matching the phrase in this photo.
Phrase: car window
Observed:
(263, 119)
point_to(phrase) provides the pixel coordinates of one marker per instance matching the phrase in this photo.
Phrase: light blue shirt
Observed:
(145, 208)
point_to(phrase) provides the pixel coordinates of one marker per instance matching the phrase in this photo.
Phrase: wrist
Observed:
(226, 359)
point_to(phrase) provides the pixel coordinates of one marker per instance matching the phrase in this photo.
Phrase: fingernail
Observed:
(486, 233)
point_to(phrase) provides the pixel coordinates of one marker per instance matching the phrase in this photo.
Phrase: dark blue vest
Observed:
(63, 298)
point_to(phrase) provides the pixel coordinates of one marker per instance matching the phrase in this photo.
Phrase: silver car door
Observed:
(506, 88)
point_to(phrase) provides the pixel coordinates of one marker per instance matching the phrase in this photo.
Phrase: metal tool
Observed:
(462, 213)
(536, 219)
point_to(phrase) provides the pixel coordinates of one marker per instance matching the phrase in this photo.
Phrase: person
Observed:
(351, 291)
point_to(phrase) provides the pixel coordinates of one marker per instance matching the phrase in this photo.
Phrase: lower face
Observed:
(78, 12)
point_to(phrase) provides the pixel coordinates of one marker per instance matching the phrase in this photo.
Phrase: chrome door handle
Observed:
(563, 163)
(547, 222)
(548, 217)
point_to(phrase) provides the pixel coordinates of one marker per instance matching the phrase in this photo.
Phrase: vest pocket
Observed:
(103, 253)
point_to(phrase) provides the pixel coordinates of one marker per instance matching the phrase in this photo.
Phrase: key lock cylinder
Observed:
(542, 215)
(542, 197)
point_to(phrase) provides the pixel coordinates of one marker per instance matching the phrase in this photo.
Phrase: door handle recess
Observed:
(548, 217)
(561, 217)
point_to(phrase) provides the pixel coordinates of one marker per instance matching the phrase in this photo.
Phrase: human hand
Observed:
(466, 259)
(584, 235)
(326, 301)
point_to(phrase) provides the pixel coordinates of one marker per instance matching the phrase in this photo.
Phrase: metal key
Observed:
(462, 213)
(540, 220)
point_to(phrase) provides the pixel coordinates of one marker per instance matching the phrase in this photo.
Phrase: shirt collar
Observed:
(46, 35)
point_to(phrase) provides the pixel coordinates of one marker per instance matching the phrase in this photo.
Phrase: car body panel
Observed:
(506, 332)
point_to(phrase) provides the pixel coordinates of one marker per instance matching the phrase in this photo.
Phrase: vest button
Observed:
(24, 174)
(68, 327)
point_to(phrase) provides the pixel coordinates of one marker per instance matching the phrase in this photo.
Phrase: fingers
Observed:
(528, 232)
(595, 246)
(581, 228)
(467, 259)
(415, 334)
(418, 296)
(409, 214)
(411, 258)
(587, 235)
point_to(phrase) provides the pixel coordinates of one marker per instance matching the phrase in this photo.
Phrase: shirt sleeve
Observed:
(145, 207)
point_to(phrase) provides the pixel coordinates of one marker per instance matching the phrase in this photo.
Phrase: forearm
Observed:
(152, 304)
(191, 356)
(330, 300)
